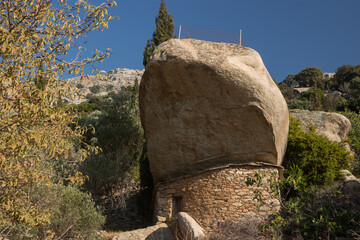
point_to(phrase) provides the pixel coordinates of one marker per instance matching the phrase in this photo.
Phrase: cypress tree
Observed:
(163, 32)
(147, 53)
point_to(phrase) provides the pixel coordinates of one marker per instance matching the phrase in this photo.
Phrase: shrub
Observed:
(300, 104)
(312, 215)
(354, 139)
(95, 88)
(106, 171)
(312, 210)
(243, 229)
(73, 215)
(109, 87)
(119, 134)
(79, 85)
(313, 156)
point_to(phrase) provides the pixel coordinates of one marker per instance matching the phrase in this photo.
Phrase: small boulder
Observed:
(158, 232)
(334, 126)
(189, 228)
(351, 184)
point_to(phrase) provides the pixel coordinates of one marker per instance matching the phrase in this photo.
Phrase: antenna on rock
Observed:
(240, 38)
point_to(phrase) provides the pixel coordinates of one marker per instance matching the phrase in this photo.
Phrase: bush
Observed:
(109, 87)
(312, 215)
(73, 215)
(334, 103)
(119, 134)
(84, 107)
(106, 172)
(354, 139)
(300, 104)
(79, 85)
(95, 88)
(244, 229)
(312, 210)
(314, 157)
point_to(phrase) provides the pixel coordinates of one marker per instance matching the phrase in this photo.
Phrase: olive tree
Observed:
(310, 77)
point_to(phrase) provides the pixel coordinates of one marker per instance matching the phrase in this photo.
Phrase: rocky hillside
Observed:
(120, 77)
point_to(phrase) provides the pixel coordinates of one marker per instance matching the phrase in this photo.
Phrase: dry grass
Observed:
(244, 229)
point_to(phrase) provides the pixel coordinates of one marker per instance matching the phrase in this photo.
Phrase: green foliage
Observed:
(93, 103)
(79, 85)
(346, 80)
(95, 88)
(354, 133)
(289, 82)
(354, 101)
(315, 96)
(309, 77)
(84, 107)
(40, 80)
(147, 53)
(314, 157)
(333, 103)
(316, 216)
(354, 139)
(311, 210)
(109, 87)
(119, 134)
(74, 215)
(164, 26)
(299, 103)
(163, 32)
(344, 75)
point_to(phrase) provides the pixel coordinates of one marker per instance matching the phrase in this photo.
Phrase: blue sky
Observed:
(290, 35)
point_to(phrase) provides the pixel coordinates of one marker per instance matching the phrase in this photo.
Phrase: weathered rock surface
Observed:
(118, 78)
(334, 126)
(157, 232)
(189, 228)
(207, 104)
(351, 184)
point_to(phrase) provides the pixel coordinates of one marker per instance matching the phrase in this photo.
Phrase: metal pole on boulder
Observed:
(240, 38)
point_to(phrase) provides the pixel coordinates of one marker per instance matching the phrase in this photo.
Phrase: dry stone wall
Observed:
(218, 195)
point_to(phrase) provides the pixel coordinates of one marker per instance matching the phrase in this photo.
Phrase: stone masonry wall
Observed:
(217, 195)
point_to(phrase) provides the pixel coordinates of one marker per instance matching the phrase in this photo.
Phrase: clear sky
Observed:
(290, 35)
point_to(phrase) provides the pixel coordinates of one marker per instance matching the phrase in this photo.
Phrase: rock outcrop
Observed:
(206, 105)
(158, 232)
(334, 126)
(118, 78)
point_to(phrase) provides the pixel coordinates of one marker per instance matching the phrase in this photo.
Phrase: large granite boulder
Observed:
(334, 126)
(206, 104)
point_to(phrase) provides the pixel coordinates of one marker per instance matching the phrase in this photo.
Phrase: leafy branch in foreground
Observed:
(35, 38)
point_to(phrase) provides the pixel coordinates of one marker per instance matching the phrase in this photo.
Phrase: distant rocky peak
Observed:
(118, 78)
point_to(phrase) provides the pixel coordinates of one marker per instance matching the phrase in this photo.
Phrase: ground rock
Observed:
(117, 78)
(334, 126)
(189, 228)
(157, 232)
(351, 184)
(207, 104)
